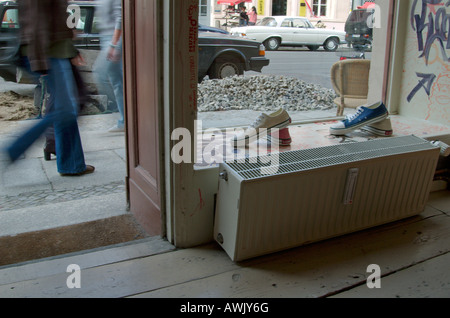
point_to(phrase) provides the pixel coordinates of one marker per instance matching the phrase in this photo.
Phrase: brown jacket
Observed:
(42, 24)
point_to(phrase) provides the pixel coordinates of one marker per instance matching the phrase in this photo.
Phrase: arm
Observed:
(116, 41)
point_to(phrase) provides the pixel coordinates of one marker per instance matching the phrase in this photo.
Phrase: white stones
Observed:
(263, 93)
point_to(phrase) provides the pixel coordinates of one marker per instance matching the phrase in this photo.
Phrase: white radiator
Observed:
(321, 193)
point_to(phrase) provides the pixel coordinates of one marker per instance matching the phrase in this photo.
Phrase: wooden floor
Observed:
(413, 256)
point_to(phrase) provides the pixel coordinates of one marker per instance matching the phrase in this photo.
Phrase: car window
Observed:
(299, 23)
(287, 23)
(95, 24)
(359, 15)
(271, 22)
(10, 19)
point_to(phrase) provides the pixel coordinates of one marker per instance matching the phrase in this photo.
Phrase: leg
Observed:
(115, 74)
(102, 79)
(70, 157)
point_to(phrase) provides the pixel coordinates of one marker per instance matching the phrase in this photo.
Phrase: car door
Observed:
(286, 31)
(302, 34)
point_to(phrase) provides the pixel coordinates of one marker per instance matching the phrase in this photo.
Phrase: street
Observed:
(313, 67)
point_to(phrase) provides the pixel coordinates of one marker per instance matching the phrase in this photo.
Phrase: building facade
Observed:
(333, 13)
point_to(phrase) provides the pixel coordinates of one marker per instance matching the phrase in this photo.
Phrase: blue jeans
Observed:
(109, 78)
(63, 117)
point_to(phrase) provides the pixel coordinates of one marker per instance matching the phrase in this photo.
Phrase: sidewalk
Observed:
(32, 193)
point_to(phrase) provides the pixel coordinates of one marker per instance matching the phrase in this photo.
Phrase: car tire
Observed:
(331, 45)
(225, 68)
(272, 44)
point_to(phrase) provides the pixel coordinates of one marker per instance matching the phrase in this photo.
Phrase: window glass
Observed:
(10, 19)
(203, 8)
(287, 23)
(95, 24)
(300, 76)
(269, 22)
(320, 7)
(299, 23)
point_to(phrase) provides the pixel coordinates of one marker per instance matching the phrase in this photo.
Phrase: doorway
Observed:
(279, 7)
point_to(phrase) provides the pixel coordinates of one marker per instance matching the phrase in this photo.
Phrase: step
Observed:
(41, 231)
(96, 257)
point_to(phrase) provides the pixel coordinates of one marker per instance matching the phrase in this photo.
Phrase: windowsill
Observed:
(315, 134)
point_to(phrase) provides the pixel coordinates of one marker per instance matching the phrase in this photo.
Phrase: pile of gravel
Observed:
(263, 93)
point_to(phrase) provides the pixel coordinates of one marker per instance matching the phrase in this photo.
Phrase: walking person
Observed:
(243, 17)
(252, 16)
(47, 49)
(108, 68)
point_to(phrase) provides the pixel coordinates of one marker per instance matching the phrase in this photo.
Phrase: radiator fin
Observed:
(307, 159)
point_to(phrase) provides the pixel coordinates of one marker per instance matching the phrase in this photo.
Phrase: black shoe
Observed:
(48, 155)
(89, 170)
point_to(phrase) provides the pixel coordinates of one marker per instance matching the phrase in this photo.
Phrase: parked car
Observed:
(358, 32)
(220, 55)
(9, 39)
(205, 28)
(279, 31)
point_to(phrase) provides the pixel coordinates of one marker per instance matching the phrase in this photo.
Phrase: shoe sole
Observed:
(258, 135)
(378, 132)
(343, 131)
(87, 171)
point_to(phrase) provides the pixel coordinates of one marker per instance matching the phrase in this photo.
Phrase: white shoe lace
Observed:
(257, 121)
(353, 116)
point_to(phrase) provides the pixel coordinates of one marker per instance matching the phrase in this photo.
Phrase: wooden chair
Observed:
(350, 80)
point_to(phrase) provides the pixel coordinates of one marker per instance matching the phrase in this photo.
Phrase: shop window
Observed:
(203, 8)
(320, 8)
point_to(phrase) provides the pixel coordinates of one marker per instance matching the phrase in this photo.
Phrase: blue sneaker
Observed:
(365, 115)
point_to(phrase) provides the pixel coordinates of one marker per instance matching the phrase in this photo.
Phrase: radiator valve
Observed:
(223, 175)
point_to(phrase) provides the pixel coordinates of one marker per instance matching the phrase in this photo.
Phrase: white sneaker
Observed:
(280, 119)
(116, 129)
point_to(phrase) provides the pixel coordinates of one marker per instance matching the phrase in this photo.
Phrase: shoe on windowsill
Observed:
(365, 115)
(262, 125)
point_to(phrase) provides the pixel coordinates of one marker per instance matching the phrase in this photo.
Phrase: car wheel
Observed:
(222, 69)
(331, 45)
(272, 44)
